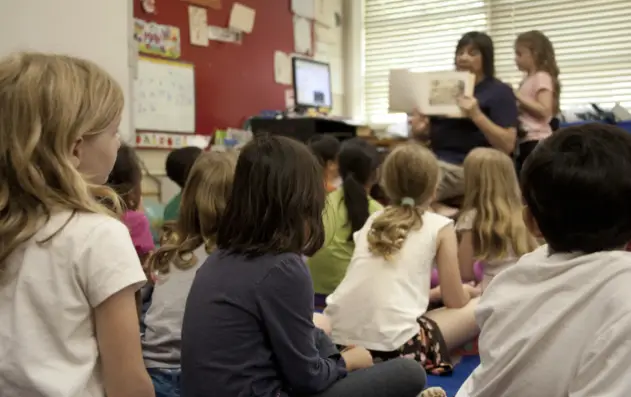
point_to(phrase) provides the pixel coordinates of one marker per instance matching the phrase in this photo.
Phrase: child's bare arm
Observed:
(453, 293)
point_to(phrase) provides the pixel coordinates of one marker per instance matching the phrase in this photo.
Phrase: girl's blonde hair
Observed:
(204, 199)
(47, 103)
(492, 191)
(544, 57)
(410, 176)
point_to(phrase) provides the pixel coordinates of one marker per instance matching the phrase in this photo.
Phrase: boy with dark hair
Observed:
(558, 322)
(178, 165)
(326, 148)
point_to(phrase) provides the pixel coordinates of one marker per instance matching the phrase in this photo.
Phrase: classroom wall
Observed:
(94, 29)
(235, 81)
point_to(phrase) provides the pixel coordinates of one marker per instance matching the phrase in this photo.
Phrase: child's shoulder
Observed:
(81, 225)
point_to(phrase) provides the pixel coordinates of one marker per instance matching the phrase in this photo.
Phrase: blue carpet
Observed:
(452, 383)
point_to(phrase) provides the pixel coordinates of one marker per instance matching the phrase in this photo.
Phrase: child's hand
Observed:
(472, 290)
(357, 358)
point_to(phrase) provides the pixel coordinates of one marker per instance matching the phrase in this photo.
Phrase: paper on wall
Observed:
(282, 68)
(322, 51)
(242, 18)
(324, 12)
(302, 35)
(198, 26)
(337, 84)
(324, 34)
(218, 33)
(303, 8)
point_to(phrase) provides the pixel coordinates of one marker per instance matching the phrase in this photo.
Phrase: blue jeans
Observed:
(166, 382)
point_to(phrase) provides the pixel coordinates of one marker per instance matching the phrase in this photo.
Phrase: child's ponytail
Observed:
(358, 162)
(410, 176)
(390, 229)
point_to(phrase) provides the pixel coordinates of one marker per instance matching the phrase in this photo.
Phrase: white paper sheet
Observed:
(303, 8)
(198, 26)
(282, 68)
(218, 33)
(337, 82)
(302, 35)
(324, 34)
(324, 12)
(242, 18)
(322, 51)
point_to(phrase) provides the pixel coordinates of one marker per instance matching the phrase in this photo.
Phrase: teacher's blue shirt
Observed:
(453, 138)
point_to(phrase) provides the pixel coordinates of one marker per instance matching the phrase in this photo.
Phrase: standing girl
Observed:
(539, 93)
(68, 268)
(491, 225)
(346, 211)
(184, 248)
(248, 327)
(381, 304)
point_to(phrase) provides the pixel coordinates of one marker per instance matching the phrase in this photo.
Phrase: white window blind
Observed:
(418, 34)
(592, 42)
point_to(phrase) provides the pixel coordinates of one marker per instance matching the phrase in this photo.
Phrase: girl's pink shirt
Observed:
(140, 230)
(536, 129)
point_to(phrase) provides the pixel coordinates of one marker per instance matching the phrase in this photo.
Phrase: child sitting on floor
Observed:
(248, 326)
(491, 226)
(184, 247)
(178, 165)
(326, 148)
(381, 304)
(557, 323)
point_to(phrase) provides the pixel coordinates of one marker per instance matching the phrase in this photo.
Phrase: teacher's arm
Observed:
(500, 126)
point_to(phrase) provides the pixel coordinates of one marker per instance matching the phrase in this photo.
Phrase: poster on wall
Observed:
(156, 39)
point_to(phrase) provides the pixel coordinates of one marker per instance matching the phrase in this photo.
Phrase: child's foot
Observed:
(433, 392)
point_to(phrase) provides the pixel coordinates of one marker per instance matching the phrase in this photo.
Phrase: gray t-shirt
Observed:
(161, 343)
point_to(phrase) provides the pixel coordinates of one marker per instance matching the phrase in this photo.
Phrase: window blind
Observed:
(591, 42)
(417, 34)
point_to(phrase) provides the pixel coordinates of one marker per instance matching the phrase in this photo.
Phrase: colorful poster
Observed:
(156, 39)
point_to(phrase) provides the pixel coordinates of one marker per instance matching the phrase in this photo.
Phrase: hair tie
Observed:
(408, 201)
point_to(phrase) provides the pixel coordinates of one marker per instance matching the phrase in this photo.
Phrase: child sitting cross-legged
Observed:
(381, 304)
(557, 323)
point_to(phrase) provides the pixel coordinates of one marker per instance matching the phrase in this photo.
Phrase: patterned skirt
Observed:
(427, 347)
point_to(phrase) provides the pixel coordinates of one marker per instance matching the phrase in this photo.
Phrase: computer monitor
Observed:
(312, 84)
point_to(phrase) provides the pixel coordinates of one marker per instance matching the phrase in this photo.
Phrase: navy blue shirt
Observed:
(452, 138)
(248, 330)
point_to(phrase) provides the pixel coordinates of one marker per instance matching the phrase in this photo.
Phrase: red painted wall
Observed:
(232, 81)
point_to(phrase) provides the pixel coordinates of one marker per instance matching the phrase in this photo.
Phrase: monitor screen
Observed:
(312, 83)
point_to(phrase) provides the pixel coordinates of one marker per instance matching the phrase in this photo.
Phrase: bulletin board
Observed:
(164, 96)
(232, 81)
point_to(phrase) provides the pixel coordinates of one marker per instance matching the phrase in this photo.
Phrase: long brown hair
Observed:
(409, 177)
(492, 191)
(545, 60)
(204, 199)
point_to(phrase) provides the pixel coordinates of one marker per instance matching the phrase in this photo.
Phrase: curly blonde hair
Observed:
(410, 175)
(204, 200)
(492, 191)
(48, 103)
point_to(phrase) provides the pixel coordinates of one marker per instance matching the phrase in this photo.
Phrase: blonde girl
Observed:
(491, 226)
(382, 301)
(184, 248)
(68, 268)
(539, 93)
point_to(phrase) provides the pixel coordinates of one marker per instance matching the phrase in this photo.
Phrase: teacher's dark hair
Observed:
(358, 162)
(483, 43)
(276, 202)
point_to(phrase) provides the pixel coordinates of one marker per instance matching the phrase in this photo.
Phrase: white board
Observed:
(164, 96)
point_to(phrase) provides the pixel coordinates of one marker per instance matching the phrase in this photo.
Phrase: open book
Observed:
(432, 93)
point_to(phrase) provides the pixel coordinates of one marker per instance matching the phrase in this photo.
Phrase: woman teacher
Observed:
(491, 116)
